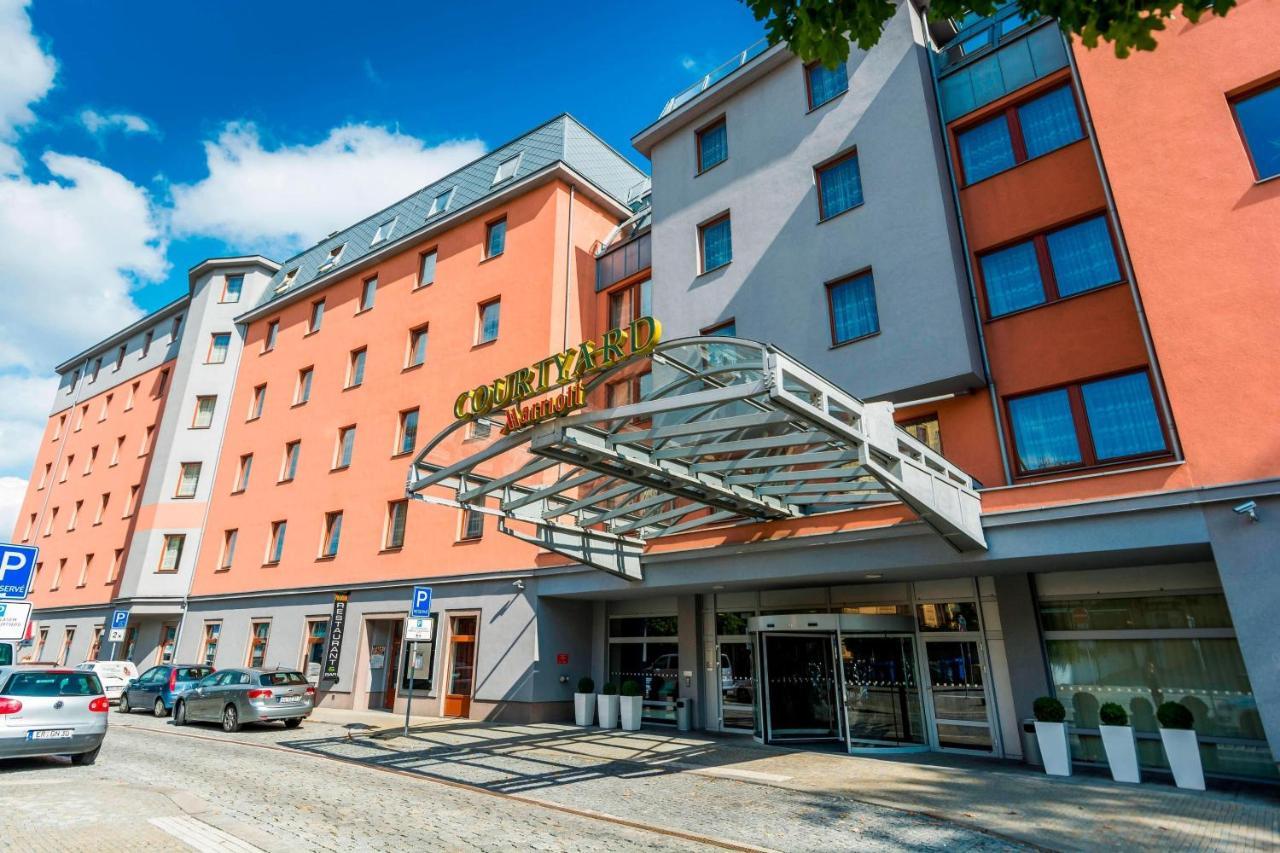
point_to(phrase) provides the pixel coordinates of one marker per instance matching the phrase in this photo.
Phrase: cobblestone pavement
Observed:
(304, 800)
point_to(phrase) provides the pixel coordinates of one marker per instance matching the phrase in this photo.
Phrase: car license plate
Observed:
(50, 734)
(284, 700)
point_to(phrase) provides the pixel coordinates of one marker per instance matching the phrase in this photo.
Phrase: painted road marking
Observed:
(200, 836)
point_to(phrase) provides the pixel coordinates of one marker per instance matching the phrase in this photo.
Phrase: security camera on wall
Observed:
(1249, 508)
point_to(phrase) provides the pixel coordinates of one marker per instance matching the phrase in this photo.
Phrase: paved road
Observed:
(157, 788)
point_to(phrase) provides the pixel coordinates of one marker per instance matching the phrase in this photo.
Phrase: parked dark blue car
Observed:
(160, 686)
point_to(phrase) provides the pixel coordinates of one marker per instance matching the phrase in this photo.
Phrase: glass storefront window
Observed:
(732, 623)
(881, 692)
(737, 686)
(644, 649)
(1158, 611)
(877, 609)
(948, 616)
(643, 626)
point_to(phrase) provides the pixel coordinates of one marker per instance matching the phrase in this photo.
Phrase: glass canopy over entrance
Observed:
(699, 432)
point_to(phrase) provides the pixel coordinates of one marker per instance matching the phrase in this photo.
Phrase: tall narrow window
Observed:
(53, 518)
(242, 473)
(131, 504)
(417, 347)
(188, 480)
(203, 416)
(102, 507)
(407, 438)
(175, 328)
(75, 515)
(472, 524)
(117, 563)
(93, 457)
(273, 332)
(824, 84)
(853, 308)
(44, 476)
(57, 574)
(1049, 122)
(219, 343)
(105, 410)
(171, 552)
(495, 239)
(133, 393)
(84, 570)
(228, 548)
(66, 468)
(62, 425)
(275, 545)
(355, 367)
(346, 447)
(31, 523)
(628, 303)
(146, 344)
(162, 381)
(715, 243)
(259, 636)
(926, 430)
(317, 317)
(115, 451)
(427, 268)
(303, 392)
(97, 368)
(209, 648)
(119, 358)
(839, 185)
(332, 534)
(397, 515)
(1122, 417)
(257, 402)
(231, 288)
(289, 465)
(490, 314)
(986, 149)
(80, 416)
(1258, 117)
(713, 145)
(368, 293)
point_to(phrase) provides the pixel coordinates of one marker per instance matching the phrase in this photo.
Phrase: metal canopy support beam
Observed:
(611, 554)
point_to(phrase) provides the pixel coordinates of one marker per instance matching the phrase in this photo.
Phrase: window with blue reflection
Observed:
(1122, 417)
(1083, 256)
(986, 150)
(1012, 279)
(496, 239)
(713, 146)
(717, 244)
(1259, 118)
(826, 83)
(839, 186)
(1044, 431)
(1050, 122)
(853, 308)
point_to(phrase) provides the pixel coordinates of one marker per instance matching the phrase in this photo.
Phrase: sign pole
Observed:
(410, 668)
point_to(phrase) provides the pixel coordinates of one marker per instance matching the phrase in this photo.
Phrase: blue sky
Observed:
(139, 138)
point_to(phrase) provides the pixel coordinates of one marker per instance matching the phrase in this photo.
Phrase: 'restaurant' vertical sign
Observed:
(337, 623)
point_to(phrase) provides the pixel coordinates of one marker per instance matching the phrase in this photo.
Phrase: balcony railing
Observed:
(715, 76)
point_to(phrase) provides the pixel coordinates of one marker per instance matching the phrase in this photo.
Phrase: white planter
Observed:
(1122, 752)
(584, 708)
(630, 708)
(1183, 752)
(608, 705)
(1054, 749)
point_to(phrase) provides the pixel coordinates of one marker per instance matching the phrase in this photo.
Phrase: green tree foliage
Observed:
(822, 29)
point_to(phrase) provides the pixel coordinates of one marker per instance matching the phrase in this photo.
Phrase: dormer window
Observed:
(287, 280)
(441, 202)
(507, 169)
(332, 261)
(384, 232)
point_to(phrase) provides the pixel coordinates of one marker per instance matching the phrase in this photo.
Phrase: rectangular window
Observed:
(188, 480)
(715, 243)
(506, 169)
(62, 424)
(97, 368)
(242, 473)
(479, 429)
(75, 515)
(31, 523)
(133, 392)
(472, 524)
(228, 548)
(93, 457)
(628, 303)
(132, 503)
(218, 345)
(171, 553)
(839, 185)
(289, 466)
(146, 344)
(175, 328)
(383, 233)
(161, 381)
(417, 347)
(287, 281)
(397, 514)
(332, 534)
(317, 317)
(1258, 117)
(1092, 423)
(68, 637)
(713, 145)
(824, 84)
(346, 447)
(313, 655)
(273, 332)
(440, 203)
(925, 430)
(355, 368)
(66, 469)
(275, 545)
(80, 416)
(257, 402)
(84, 570)
(57, 574)
(117, 561)
(119, 358)
(95, 643)
(407, 438)
(102, 507)
(259, 636)
(1050, 266)
(368, 292)
(232, 285)
(302, 393)
(495, 238)
(209, 648)
(852, 303)
(1019, 133)
(490, 313)
(115, 451)
(331, 260)
(727, 329)
(203, 416)
(106, 408)
(53, 518)
(427, 268)
(44, 477)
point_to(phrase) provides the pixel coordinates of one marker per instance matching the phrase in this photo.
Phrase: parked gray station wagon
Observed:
(235, 697)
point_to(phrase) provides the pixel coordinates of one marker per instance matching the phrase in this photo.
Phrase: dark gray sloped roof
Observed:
(561, 139)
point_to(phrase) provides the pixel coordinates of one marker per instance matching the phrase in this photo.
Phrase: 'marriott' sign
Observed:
(564, 370)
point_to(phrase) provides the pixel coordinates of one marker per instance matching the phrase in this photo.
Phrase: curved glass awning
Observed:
(702, 431)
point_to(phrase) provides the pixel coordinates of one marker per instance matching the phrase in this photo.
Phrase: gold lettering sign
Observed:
(569, 368)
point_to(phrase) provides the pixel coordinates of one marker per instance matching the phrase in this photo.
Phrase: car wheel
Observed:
(85, 758)
(293, 724)
(180, 713)
(230, 719)
(124, 703)
(159, 709)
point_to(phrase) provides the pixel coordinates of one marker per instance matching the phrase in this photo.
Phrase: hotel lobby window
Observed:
(645, 649)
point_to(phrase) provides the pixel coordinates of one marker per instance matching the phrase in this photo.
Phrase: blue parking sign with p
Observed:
(17, 570)
(119, 618)
(421, 604)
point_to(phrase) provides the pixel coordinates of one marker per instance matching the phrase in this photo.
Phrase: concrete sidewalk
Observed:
(1009, 800)
(366, 722)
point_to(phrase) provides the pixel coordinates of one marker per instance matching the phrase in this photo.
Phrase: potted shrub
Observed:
(1051, 734)
(608, 705)
(1117, 740)
(584, 702)
(1180, 745)
(630, 705)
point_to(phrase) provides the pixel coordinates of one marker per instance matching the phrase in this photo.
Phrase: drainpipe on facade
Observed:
(568, 266)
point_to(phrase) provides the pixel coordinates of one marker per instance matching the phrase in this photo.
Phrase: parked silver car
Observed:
(51, 711)
(235, 697)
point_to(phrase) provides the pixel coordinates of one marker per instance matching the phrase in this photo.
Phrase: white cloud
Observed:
(96, 122)
(280, 199)
(12, 490)
(688, 63)
(27, 75)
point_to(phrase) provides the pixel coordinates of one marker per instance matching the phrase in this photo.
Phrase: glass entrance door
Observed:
(800, 687)
(883, 707)
(958, 693)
